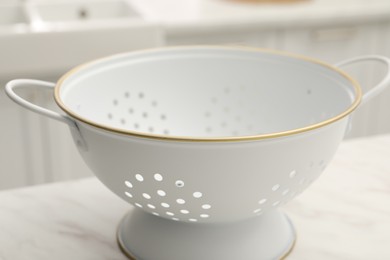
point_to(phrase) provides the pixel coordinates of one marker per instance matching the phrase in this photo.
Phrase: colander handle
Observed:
(385, 82)
(19, 83)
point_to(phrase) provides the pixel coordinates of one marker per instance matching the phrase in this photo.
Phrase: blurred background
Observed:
(42, 39)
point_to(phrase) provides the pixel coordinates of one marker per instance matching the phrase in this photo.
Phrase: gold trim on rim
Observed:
(351, 108)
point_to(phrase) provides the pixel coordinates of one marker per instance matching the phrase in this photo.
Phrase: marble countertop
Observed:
(343, 215)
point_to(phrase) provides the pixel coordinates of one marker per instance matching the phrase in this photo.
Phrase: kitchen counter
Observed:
(28, 35)
(152, 23)
(343, 215)
(189, 16)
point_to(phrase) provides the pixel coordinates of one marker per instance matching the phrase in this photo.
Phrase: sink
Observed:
(49, 37)
(78, 11)
(11, 15)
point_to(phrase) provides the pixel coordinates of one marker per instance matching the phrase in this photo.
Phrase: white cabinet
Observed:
(331, 44)
(265, 39)
(12, 154)
(21, 150)
(382, 125)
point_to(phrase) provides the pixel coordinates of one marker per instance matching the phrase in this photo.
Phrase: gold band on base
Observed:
(124, 251)
(122, 248)
(130, 256)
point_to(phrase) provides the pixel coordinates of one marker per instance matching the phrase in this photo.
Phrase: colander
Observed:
(206, 142)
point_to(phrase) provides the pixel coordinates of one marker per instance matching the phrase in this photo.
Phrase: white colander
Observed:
(206, 142)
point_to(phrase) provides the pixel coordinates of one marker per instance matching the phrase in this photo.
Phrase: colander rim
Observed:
(356, 86)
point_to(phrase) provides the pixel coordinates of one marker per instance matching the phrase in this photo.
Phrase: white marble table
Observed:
(344, 215)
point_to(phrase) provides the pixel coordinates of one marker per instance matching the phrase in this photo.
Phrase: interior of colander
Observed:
(205, 92)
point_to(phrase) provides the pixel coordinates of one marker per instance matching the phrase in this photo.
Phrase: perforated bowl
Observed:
(206, 136)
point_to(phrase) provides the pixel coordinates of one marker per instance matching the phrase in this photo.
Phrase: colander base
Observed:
(142, 236)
